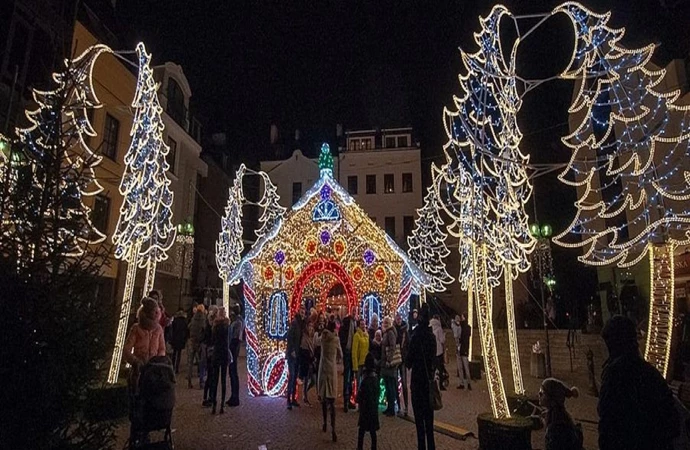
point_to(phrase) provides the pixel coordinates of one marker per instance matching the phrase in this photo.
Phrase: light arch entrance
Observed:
(313, 270)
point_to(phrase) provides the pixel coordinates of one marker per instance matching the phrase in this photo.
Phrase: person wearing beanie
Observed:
(636, 407)
(421, 359)
(145, 339)
(561, 431)
(368, 400)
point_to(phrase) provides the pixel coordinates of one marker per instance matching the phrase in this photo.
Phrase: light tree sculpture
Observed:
(483, 187)
(49, 171)
(427, 243)
(630, 148)
(272, 210)
(144, 231)
(230, 245)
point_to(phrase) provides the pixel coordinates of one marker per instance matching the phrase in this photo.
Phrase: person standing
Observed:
(236, 336)
(636, 407)
(463, 353)
(328, 374)
(294, 339)
(360, 350)
(221, 353)
(389, 370)
(373, 326)
(144, 341)
(196, 335)
(306, 360)
(179, 337)
(421, 359)
(345, 334)
(207, 353)
(404, 343)
(368, 401)
(440, 336)
(561, 431)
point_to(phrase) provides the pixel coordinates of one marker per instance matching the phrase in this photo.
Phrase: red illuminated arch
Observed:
(312, 270)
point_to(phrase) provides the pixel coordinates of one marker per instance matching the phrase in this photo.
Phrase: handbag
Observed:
(435, 399)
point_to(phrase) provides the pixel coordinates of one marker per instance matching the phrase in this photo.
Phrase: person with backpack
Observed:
(368, 401)
(636, 406)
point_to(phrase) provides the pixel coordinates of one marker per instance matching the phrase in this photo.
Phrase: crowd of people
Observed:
(636, 407)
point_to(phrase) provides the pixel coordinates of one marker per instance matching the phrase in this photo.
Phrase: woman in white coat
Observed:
(328, 373)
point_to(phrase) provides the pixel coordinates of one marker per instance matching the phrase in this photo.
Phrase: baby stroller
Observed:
(443, 377)
(152, 405)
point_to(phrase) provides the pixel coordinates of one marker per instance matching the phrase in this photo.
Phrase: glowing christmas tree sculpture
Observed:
(272, 211)
(230, 245)
(144, 231)
(427, 244)
(483, 187)
(629, 148)
(49, 171)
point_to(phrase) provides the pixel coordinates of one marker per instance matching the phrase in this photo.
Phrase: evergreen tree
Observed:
(272, 210)
(427, 244)
(230, 242)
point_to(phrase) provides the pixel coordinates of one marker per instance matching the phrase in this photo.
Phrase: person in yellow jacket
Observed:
(360, 349)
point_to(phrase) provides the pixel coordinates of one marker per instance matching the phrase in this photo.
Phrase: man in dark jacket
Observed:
(196, 336)
(463, 352)
(421, 358)
(236, 332)
(636, 407)
(345, 334)
(179, 337)
(294, 338)
(404, 343)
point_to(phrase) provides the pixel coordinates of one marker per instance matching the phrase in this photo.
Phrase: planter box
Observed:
(110, 402)
(475, 370)
(499, 434)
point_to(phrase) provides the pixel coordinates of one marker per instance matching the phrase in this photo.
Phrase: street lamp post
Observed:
(544, 277)
(185, 236)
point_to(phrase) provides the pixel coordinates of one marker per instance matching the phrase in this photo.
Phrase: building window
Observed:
(354, 144)
(172, 154)
(402, 141)
(408, 224)
(390, 142)
(365, 144)
(175, 107)
(296, 192)
(390, 226)
(101, 213)
(371, 184)
(110, 135)
(407, 182)
(352, 184)
(389, 183)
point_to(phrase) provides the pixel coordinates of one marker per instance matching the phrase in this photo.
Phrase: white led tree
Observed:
(427, 243)
(49, 171)
(483, 187)
(272, 211)
(144, 231)
(630, 146)
(230, 243)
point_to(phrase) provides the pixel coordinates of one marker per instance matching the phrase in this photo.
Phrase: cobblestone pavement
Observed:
(264, 421)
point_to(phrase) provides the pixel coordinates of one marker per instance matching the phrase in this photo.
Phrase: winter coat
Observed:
(346, 332)
(636, 407)
(143, 344)
(294, 338)
(197, 327)
(457, 335)
(360, 348)
(420, 358)
(440, 336)
(375, 350)
(179, 332)
(403, 338)
(219, 338)
(368, 400)
(328, 371)
(390, 338)
(465, 334)
(563, 435)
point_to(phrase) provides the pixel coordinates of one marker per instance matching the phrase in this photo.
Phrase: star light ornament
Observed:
(427, 244)
(629, 164)
(483, 187)
(230, 245)
(144, 231)
(49, 171)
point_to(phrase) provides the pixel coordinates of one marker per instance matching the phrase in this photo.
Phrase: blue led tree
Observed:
(144, 229)
(630, 146)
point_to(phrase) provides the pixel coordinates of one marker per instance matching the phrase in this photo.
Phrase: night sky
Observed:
(314, 64)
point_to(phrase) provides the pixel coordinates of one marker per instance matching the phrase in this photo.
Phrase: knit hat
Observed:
(557, 391)
(146, 314)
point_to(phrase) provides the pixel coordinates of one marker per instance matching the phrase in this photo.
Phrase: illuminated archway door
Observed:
(313, 270)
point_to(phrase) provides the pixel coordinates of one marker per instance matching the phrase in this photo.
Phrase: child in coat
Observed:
(368, 400)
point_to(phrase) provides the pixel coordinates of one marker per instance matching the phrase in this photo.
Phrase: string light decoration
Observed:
(483, 186)
(629, 164)
(427, 243)
(230, 243)
(272, 210)
(144, 231)
(319, 250)
(49, 170)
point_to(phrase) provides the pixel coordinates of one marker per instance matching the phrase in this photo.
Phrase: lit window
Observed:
(389, 183)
